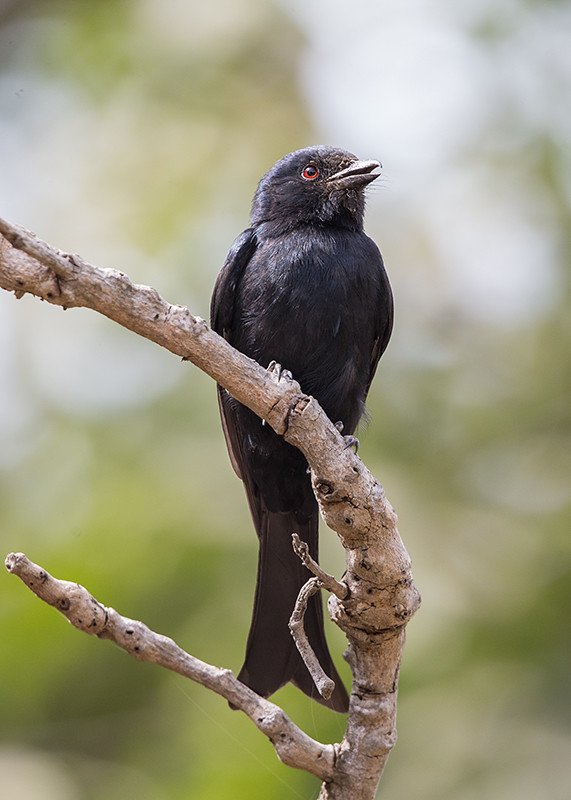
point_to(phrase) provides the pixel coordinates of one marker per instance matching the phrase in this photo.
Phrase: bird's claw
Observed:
(279, 372)
(351, 441)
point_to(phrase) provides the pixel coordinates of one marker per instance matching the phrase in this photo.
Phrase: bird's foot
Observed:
(279, 372)
(351, 441)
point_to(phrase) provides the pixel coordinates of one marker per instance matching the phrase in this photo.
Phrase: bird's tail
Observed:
(272, 658)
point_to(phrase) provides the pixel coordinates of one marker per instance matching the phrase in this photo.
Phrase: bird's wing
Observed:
(224, 294)
(384, 326)
(222, 321)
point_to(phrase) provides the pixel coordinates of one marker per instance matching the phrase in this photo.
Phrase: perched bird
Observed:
(303, 286)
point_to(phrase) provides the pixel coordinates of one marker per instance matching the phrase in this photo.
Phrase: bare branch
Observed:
(29, 265)
(85, 613)
(377, 596)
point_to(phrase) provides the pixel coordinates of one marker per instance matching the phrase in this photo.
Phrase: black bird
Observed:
(303, 286)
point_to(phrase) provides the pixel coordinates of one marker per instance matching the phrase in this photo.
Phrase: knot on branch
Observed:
(374, 609)
(75, 603)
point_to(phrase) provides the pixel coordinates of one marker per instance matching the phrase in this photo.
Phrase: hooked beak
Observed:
(358, 174)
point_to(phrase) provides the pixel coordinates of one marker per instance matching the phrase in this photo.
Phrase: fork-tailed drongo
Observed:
(303, 286)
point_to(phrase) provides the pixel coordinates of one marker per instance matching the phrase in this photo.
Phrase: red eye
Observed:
(310, 173)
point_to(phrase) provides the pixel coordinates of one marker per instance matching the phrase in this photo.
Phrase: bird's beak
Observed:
(359, 173)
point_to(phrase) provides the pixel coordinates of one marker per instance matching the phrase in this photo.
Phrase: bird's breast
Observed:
(304, 301)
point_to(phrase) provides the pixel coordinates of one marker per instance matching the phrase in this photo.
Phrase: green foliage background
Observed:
(134, 133)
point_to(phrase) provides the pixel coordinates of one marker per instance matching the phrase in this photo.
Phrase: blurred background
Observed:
(134, 133)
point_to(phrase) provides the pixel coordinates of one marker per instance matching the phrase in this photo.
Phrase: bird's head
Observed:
(317, 185)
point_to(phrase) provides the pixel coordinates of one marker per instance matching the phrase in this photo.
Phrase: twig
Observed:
(328, 582)
(87, 614)
(322, 681)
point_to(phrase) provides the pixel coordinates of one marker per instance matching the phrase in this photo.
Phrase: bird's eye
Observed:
(310, 173)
